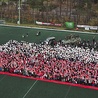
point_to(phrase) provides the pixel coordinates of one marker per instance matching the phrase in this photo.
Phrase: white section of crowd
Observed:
(61, 62)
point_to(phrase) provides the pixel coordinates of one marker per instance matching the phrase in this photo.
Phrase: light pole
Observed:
(19, 13)
(34, 16)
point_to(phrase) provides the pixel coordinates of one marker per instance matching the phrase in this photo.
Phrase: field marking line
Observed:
(50, 35)
(2, 78)
(30, 89)
(67, 92)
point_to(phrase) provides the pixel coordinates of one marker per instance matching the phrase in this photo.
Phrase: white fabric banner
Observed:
(49, 24)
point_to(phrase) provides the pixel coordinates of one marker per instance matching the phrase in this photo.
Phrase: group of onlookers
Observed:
(75, 64)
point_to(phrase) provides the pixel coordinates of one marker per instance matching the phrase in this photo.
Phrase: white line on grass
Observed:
(30, 88)
(2, 78)
(67, 92)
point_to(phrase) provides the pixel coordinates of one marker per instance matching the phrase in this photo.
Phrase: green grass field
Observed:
(15, 87)
(7, 33)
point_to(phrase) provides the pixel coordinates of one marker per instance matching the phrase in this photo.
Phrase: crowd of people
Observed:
(75, 64)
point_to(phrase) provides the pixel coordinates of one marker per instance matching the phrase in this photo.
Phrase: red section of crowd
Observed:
(45, 63)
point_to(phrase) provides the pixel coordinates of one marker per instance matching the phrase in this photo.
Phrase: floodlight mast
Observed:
(19, 13)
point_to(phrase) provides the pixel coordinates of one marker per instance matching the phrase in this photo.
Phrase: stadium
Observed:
(48, 60)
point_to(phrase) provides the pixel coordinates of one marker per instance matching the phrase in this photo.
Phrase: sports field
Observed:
(8, 32)
(16, 87)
